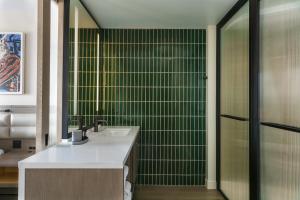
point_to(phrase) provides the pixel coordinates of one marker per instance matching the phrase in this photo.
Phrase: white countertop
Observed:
(99, 152)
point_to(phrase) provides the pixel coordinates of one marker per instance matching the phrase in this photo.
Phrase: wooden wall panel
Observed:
(43, 73)
(74, 184)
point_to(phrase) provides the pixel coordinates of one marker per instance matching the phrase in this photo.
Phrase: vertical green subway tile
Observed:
(150, 78)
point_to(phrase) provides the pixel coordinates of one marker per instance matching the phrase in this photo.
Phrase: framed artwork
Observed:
(11, 63)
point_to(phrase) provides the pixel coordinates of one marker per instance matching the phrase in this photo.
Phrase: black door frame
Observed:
(254, 145)
(65, 134)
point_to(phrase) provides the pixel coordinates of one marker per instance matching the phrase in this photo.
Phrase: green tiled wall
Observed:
(155, 79)
(87, 75)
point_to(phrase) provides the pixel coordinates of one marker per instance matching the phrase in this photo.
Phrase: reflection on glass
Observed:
(280, 98)
(98, 73)
(75, 58)
(235, 64)
(83, 96)
(235, 159)
(280, 61)
(234, 101)
(280, 164)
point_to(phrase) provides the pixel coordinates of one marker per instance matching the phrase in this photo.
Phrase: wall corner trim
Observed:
(211, 184)
(211, 106)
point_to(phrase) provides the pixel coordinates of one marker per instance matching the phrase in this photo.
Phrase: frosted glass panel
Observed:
(235, 159)
(280, 164)
(235, 64)
(234, 170)
(280, 61)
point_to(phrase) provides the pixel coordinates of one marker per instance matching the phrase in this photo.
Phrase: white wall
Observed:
(53, 74)
(21, 16)
(211, 107)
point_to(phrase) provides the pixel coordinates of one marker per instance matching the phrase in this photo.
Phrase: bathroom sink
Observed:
(116, 132)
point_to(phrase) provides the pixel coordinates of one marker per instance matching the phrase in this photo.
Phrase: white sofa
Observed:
(4, 125)
(20, 127)
(17, 125)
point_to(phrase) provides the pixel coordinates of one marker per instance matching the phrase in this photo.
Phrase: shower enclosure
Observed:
(234, 110)
(258, 118)
(280, 99)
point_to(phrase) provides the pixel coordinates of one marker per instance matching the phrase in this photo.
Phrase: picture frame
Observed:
(12, 46)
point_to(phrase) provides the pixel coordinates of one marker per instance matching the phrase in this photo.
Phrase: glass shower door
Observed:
(280, 99)
(234, 122)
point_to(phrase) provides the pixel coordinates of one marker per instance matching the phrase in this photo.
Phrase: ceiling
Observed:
(158, 13)
(84, 19)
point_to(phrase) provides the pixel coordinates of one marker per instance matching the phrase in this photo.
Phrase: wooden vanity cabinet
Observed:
(78, 184)
(132, 163)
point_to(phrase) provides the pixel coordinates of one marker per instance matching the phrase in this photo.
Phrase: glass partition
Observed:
(280, 61)
(280, 164)
(274, 136)
(83, 93)
(235, 159)
(234, 124)
(280, 99)
(235, 65)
